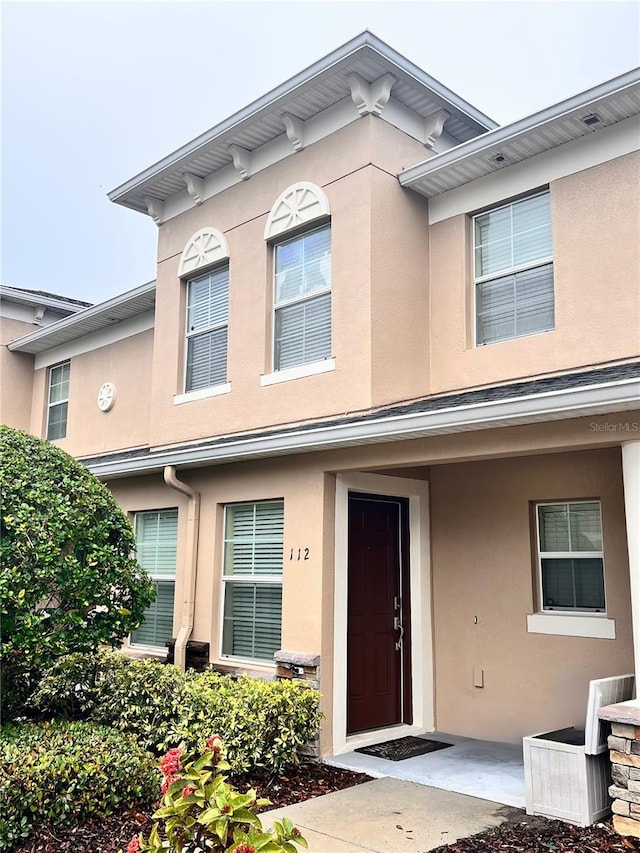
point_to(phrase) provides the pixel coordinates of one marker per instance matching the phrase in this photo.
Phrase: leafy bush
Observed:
(68, 582)
(202, 812)
(68, 772)
(262, 722)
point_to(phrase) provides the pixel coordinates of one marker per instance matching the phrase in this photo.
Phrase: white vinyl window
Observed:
(570, 556)
(513, 270)
(252, 580)
(58, 401)
(207, 326)
(156, 551)
(302, 291)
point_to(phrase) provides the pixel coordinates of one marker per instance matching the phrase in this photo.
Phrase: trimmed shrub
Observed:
(261, 722)
(66, 772)
(69, 581)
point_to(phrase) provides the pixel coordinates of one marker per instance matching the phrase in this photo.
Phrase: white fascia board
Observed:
(538, 171)
(35, 300)
(23, 343)
(96, 340)
(622, 395)
(518, 128)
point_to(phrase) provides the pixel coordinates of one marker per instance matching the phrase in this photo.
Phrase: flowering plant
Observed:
(202, 812)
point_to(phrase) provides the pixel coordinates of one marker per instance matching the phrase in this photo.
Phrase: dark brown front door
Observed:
(378, 682)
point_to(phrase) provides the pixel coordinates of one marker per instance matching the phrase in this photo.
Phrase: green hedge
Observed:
(65, 772)
(261, 722)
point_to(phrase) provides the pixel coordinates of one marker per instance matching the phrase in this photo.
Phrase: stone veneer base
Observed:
(624, 746)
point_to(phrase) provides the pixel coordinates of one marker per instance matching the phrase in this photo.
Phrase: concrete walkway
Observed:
(484, 769)
(390, 816)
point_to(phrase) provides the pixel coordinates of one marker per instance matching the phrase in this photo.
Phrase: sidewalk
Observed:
(390, 816)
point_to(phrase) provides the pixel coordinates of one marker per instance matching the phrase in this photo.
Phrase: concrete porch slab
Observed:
(484, 769)
(390, 816)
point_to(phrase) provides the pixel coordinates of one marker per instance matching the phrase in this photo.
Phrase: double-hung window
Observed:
(252, 580)
(58, 401)
(207, 326)
(156, 550)
(513, 270)
(302, 289)
(570, 556)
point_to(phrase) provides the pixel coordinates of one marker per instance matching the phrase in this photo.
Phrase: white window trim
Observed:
(595, 625)
(271, 580)
(502, 273)
(202, 394)
(188, 335)
(51, 405)
(312, 368)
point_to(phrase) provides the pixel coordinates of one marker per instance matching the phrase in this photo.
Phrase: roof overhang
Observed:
(610, 102)
(88, 320)
(41, 300)
(588, 400)
(320, 86)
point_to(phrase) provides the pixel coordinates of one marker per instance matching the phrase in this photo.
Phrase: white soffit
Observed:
(101, 316)
(613, 102)
(315, 89)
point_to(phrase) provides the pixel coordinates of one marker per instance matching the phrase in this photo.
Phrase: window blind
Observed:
(156, 551)
(207, 319)
(252, 579)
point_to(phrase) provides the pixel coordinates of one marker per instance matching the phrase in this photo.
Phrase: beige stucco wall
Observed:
(16, 376)
(366, 326)
(596, 255)
(481, 562)
(127, 364)
(482, 568)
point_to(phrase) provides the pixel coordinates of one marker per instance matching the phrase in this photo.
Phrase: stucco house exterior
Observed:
(380, 410)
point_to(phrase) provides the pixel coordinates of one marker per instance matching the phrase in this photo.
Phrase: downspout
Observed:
(190, 564)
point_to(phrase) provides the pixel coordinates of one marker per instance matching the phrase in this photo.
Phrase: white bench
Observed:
(567, 773)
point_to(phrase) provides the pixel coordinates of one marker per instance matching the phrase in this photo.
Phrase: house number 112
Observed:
(299, 554)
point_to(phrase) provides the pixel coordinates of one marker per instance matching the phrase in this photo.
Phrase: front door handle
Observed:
(398, 626)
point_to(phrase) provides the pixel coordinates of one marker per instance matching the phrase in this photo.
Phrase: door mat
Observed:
(404, 747)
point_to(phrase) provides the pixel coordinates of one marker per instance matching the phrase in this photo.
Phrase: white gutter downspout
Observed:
(190, 564)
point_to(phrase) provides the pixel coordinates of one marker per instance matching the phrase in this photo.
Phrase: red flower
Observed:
(170, 764)
(134, 845)
(244, 848)
(188, 791)
(214, 742)
(168, 781)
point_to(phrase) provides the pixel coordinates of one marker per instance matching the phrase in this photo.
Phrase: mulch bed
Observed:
(110, 835)
(527, 835)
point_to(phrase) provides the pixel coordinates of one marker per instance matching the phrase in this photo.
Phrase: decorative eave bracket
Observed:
(433, 126)
(156, 209)
(241, 161)
(195, 187)
(295, 130)
(370, 98)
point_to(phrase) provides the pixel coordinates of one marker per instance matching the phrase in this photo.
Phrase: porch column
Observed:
(631, 479)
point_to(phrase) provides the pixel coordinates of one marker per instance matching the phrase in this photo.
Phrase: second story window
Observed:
(513, 270)
(207, 323)
(302, 297)
(58, 401)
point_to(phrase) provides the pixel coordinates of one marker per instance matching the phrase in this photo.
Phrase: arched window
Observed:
(302, 276)
(204, 265)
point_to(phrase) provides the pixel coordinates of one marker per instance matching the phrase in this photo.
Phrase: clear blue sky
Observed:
(94, 92)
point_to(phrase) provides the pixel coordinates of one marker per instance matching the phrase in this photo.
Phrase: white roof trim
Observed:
(98, 316)
(274, 103)
(620, 395)
(472, 149)
(55, 303)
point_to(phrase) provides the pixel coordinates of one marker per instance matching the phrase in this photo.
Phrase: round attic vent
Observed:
(106, 396)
